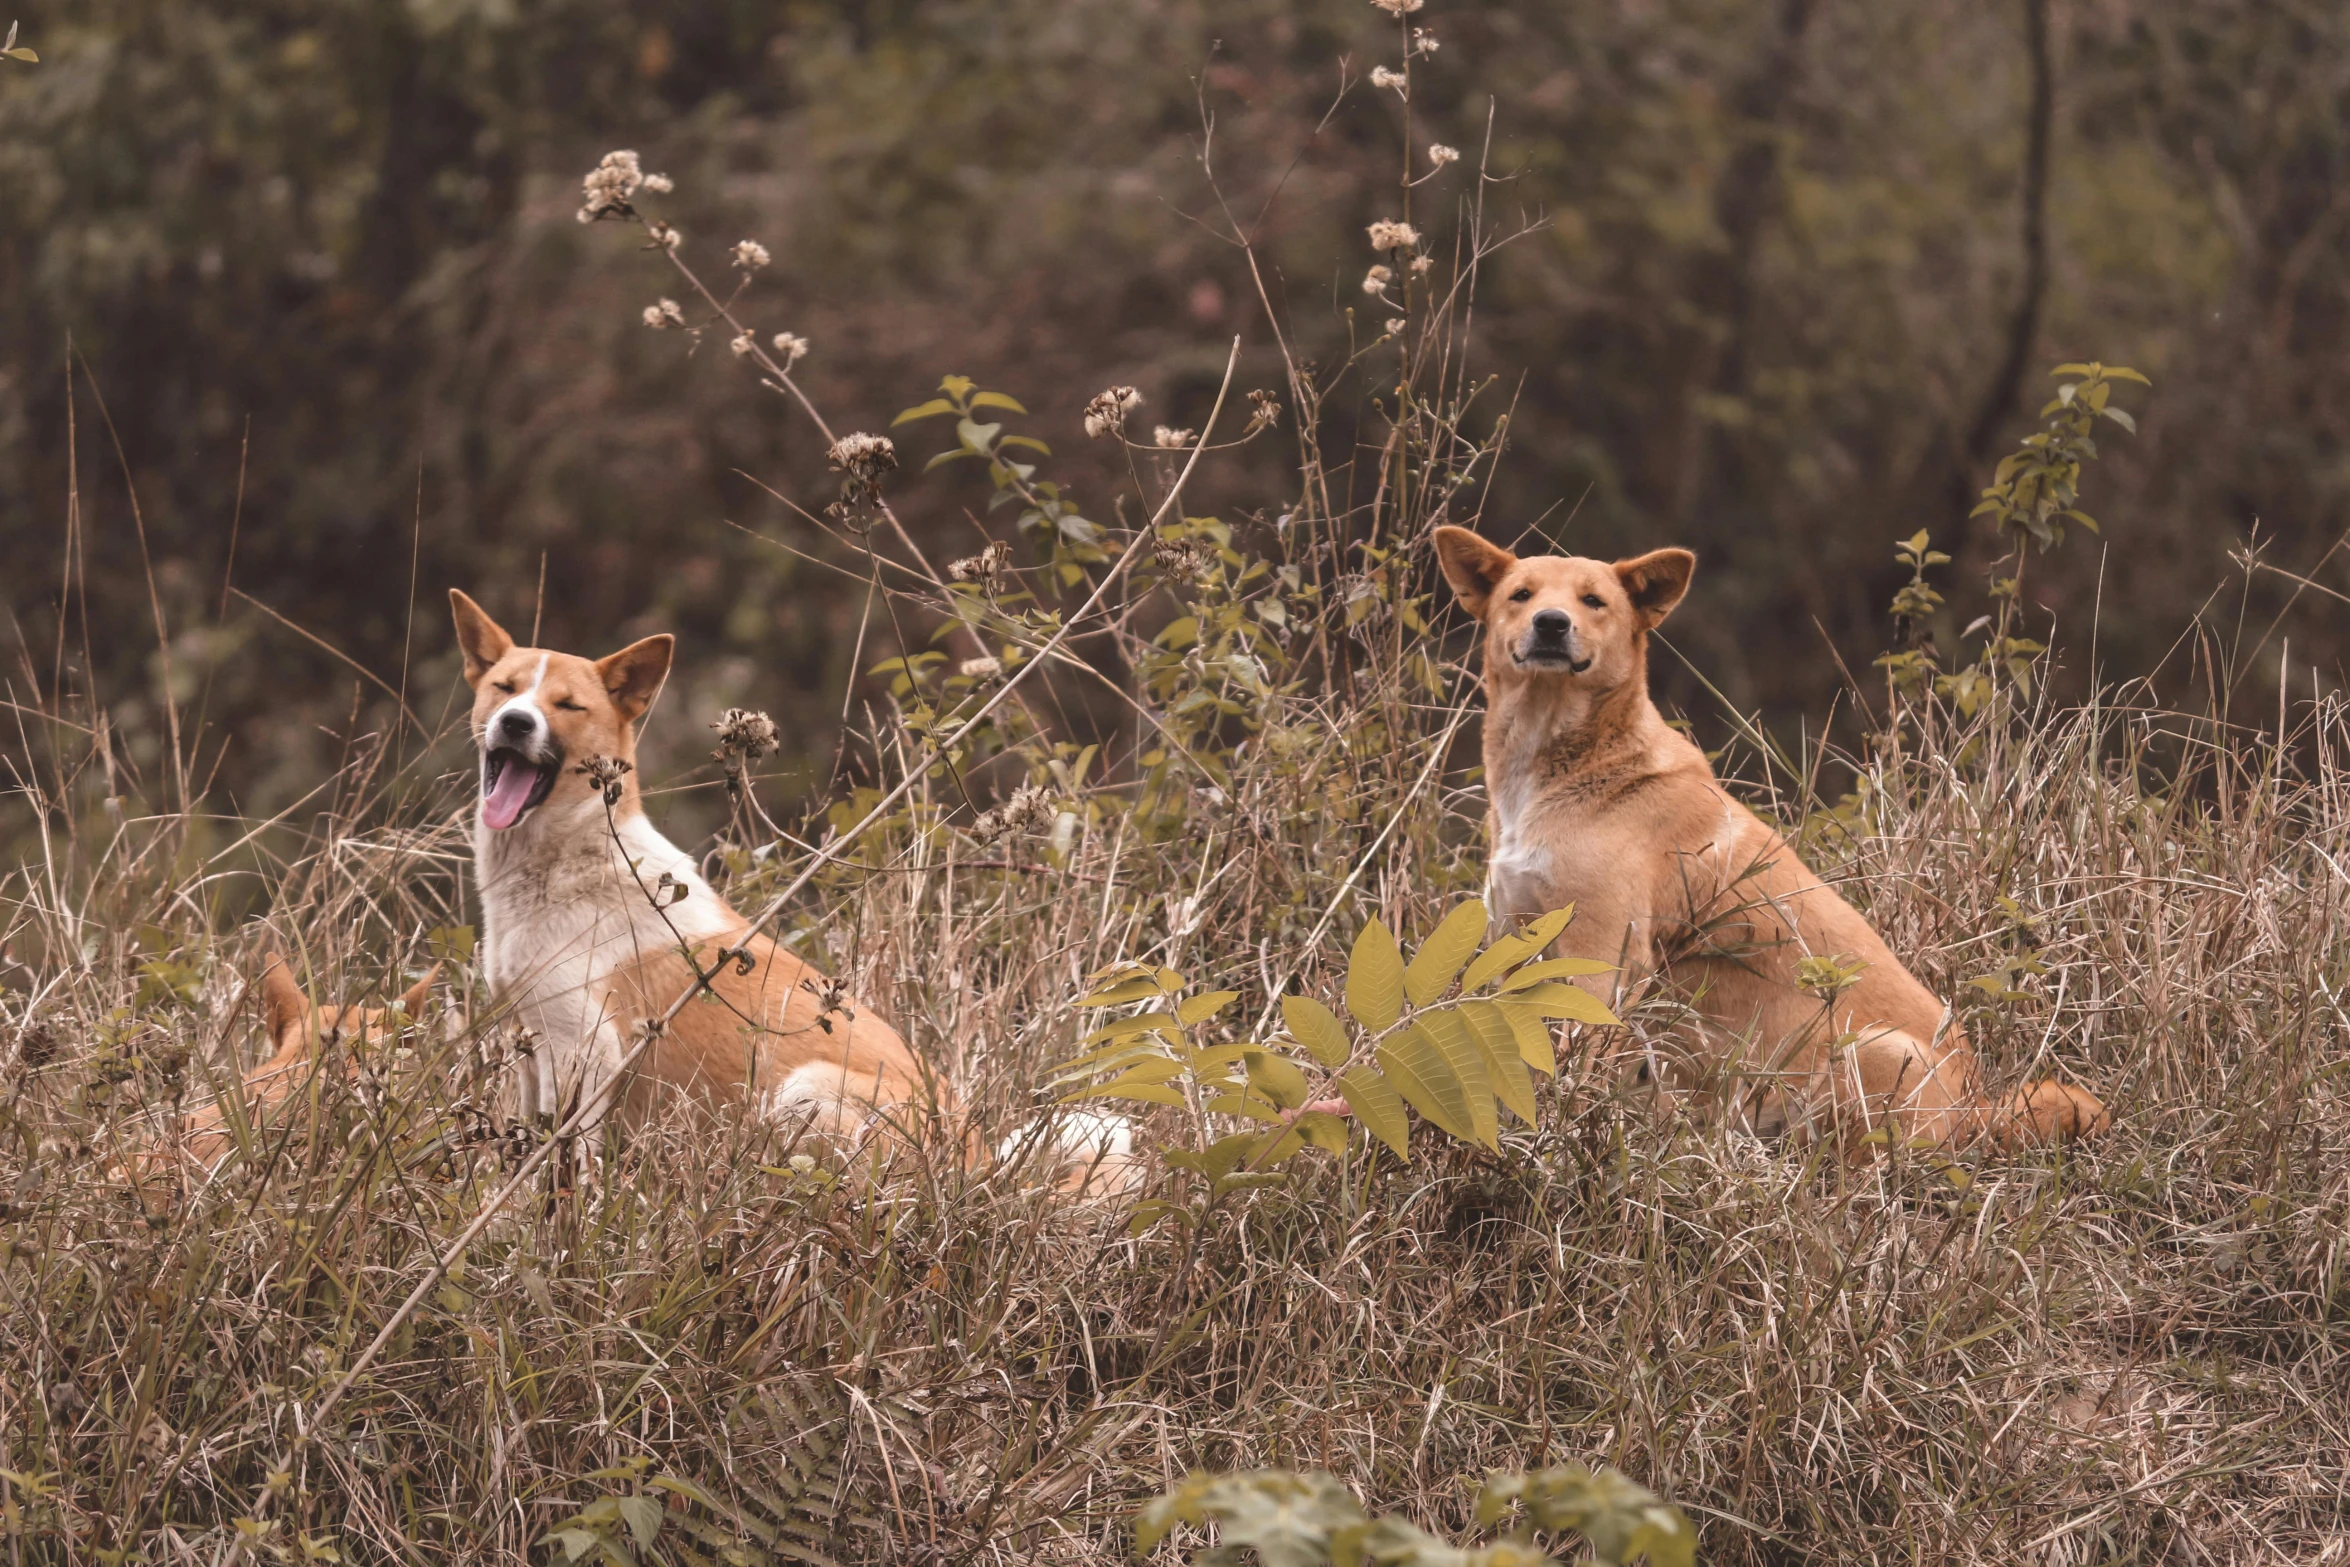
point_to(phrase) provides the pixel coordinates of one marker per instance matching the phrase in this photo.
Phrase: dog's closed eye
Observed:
(1595, 601)
(506, 686)
(1521, 595)
(569, 706)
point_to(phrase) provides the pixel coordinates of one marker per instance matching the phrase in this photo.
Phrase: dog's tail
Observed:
(1083, 1153)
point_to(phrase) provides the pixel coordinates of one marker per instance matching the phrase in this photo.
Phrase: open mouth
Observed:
(512, 784)
(1553, 658)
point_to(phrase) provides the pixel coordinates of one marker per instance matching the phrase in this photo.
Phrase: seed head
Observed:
(1399, 7)
(664, 315)
(666, 236)
(750, 255)
(864, 458)
(1440, 155)
(1170, 438)
(1030, 809)
(1264, 410)
(606, 773)
(1381, 76)
(791, 346)
(984, 567)
(745, 733)
(985, 667)
(606, 190)
(743, 344)
(1395, 326)
(1390, 236)
(1106, 414)
(1376, 280)
(1423, 41)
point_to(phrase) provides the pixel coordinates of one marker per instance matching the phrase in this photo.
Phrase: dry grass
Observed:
(2130, 1352)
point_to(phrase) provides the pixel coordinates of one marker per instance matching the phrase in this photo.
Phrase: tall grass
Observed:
(727, 1346)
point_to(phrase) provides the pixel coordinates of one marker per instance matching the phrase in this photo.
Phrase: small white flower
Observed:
(1170, 438)
(664, 315)
(1395, 326)
(981, 668)
(1376, 280)
(791, 345)
(1106, 413)
(1424, 41)
(1399, 7)
(750, 255)
(1381, 76)
(743, 345)
(1440, 155)
(1393, 236)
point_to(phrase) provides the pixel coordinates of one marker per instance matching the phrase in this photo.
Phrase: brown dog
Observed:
(589, 916)
(301, 1030)
(1594, 801)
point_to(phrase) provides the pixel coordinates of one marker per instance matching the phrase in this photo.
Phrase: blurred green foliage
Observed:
(1776, 300)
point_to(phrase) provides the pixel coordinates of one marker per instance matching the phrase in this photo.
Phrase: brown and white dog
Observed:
(589, 915)
(1594, 801)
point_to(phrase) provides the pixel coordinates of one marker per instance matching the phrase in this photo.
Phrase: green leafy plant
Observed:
(1453, 1035)
(1304, 1520)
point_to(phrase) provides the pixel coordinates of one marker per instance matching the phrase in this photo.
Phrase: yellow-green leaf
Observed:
(1277, 1078)
(929, 410)
(1533, 1036)
(1146, 1093)
(1316, 1027)
(1466, 1056)
(1142, 988)
(1200, 1008)
(1448, 947)
(1374, 978)
(1326, 1132)
(1567, 1001)
(1555, 968)
(1492, 1031)
(1416, 1068)
(1242, 1104)
(1377, 1105)
(1497, 958)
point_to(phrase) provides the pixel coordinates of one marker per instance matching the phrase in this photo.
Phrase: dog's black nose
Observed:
(517, 726)
(1551, 625)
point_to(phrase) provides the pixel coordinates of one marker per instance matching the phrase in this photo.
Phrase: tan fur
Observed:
(303, 1033)
(1596, 802)
(588, 988)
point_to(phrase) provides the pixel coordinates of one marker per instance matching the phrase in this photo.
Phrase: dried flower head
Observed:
(750, 255)
(1395, 326)
(743, 344)
(745, 734)
(1424, 41)
(1399, 7)
(1376, 280)
(606, 190)
(1030, 809)
(1106, 414)
(791, 346)
(1264, 410)
(1440, 155)
(1382, 77)
(664, 315)
(1421, 264)
(1171, 439)
(1390, 236)
(984, 667)
(666, 236)
(1182, 560)
(606, 773)
(660, 184)
(36, 1046)
(984, 567)
(863, 457)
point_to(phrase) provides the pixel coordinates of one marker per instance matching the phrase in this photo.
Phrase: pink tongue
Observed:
(502, 807)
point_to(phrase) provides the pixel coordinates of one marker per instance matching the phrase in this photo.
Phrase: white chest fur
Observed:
(564, 906)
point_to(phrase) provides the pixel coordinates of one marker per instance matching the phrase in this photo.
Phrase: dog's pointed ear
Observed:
(633, 675)
(284, 1009)
(1473, 566)
(1655, 582)
(412, 999)
(482, 640)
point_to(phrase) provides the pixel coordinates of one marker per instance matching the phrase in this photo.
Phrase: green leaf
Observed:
(1555, 968)
(1518, 947)
(644, 1518)
(1379, 1107)
(1316, 1027)
(1567, 1001)
(1533, 1036)
(1142, 988)
(1143, 1093)
(1374, 978)
(1418, 1069)
(1029, 441)
(1277, 1078)
(975, 436)
(998, 400)
(943, 458)
(1200, 1008)
(575, 1542)
(1465, 1054)
(929, 410)
(1503, 1064)
(1440, 957)
(1326, 1132)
